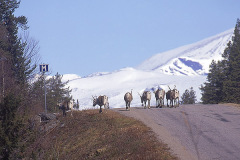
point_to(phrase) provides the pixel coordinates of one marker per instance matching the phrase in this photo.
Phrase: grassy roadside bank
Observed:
(90, 135)
(231, 104)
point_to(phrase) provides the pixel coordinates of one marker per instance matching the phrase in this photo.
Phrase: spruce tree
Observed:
(223, 80)
(10, 125)
(37, 91)
(77, 104)
(212, 90)
(185, 97)
(15, 68)
(57, 91)
(189, 97)
(14, 47)
(192, 99)
(231, 85)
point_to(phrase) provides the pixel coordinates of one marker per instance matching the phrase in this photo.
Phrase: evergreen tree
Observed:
(14, 74)
(185, 97)
(77, 104)
(192, 99)
(10, 125)
(37, 92)
(231, 85)
(212, 91)
(57, 91)
(189, 97)
(223, 80)
(14, 48)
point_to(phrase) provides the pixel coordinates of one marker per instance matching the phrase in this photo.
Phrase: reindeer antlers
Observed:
(169, 87)
(139, 94)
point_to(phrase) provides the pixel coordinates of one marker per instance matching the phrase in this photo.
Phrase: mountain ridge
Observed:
(201, 52)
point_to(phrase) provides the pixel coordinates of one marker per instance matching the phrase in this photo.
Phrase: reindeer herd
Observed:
(172, 96)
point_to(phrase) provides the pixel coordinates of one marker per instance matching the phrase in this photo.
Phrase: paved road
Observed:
(201, 132)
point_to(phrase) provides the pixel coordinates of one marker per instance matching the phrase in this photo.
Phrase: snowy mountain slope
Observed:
(193, 59)
(70, 77)
(184, 67)
(116, 84)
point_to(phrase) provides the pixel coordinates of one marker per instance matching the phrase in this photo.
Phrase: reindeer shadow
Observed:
(141, 108)
(144, 108)
(122, 110)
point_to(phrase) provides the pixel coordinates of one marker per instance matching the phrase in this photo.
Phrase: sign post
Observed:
(43, 69)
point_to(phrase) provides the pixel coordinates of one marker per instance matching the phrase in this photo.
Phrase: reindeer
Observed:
(159, 95)
(169, 97)
(128, 98)
(173, 95)
(101, 100)
(146, 96)
(65, 105)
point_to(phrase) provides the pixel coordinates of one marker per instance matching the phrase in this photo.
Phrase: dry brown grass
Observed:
(90, 135)
(231, 104)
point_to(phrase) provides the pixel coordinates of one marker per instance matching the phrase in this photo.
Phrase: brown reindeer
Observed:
(159, 95)
(146, 96)
(169, 97)
(101, 100)
(128, 99)
(173, 96)
(66, 105)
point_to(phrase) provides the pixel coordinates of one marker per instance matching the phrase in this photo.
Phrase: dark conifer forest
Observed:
(21, 91)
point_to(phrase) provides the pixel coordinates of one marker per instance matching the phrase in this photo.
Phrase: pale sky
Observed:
(87, 36)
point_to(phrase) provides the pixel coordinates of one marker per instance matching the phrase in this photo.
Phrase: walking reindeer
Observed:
(128, 99)
(159, 95)
(101, 101)
(145, 97)
(173, 96)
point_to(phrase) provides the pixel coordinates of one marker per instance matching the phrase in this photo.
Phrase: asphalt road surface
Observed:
(201, 132)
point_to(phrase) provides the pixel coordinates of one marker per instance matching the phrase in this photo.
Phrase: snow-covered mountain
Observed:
(70, 77)
(184, 67)
(193, 59)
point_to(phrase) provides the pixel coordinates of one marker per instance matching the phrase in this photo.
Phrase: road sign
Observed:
(43, 67)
